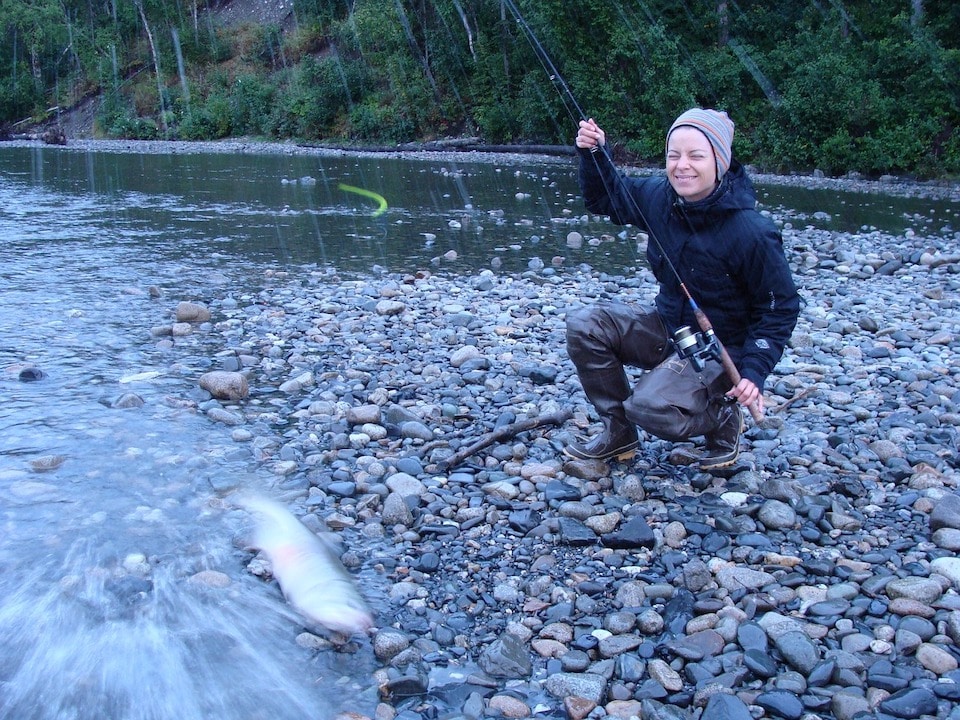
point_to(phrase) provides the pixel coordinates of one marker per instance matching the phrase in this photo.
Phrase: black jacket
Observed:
(729, 256)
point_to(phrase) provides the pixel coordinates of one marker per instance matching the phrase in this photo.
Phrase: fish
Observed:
(307, 568)
(380, 199)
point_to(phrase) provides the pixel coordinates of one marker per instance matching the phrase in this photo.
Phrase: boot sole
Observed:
(622, 455)
(719, 464)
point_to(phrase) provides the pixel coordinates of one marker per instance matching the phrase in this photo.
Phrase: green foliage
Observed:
(375, 119)
(866, 85)
(250, 101)
(320, 92)
(320, 12)
(116, 119)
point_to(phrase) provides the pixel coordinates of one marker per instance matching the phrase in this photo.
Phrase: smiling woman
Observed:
(691, 166)
(705, 234)
(699, 150)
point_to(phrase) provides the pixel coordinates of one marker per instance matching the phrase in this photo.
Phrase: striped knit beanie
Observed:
(719, 131)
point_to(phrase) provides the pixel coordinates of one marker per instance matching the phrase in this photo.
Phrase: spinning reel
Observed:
(696, 347)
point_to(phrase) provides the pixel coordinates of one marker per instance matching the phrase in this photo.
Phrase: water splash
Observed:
(109, 637)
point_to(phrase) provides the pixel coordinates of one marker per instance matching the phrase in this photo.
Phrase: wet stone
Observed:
(574, 532)
(635, 533)
(588, 686)
(558, 491)
(910, 703)
(506, 657)
(798, 650)
(760, 663)
(721, 706)
(781, 704)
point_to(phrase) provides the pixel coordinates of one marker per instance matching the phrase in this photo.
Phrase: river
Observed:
(124, 591)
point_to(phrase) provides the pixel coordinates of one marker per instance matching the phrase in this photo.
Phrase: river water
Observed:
(123, 591)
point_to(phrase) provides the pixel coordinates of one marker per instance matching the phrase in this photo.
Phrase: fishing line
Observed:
(566, 94)
(547, 63)
(558, 80)
(564, 90)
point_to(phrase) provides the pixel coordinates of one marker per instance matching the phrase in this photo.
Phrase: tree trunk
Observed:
(503, 24)
(415, 49)
(156, 65)
(466, 27)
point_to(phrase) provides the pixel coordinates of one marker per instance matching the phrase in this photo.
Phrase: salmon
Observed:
(308, 569)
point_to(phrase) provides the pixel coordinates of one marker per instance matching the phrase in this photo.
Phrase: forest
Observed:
(840, 86)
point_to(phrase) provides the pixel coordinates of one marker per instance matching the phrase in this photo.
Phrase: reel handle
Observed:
(727, 363)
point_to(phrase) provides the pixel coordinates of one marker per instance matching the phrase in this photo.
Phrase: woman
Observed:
(702, 221)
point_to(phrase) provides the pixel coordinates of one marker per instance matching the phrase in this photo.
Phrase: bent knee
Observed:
(659, 419)
(582, 319)
(584, 328)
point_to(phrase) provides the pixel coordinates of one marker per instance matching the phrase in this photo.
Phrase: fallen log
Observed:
(507, 431)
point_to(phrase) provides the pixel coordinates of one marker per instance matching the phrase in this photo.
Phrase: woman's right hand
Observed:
(590, 136)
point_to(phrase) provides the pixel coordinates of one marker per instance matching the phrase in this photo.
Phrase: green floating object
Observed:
(381, 200)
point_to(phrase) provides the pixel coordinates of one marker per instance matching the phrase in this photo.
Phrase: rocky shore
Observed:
(817, 578)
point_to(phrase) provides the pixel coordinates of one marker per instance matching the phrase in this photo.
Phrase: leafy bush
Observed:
(379, 121)
(251, 101)
(319, 93)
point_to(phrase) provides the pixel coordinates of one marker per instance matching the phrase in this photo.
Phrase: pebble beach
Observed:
(421, 417)
(818, 577)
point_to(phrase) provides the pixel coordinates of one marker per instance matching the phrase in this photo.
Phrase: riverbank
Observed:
(818, 577)
(887, 185)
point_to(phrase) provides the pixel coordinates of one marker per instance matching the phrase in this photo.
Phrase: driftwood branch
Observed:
(796, 398)
(507, 431)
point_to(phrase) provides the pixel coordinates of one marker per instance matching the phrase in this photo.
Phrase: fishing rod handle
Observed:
(704, 322)
(734, 376)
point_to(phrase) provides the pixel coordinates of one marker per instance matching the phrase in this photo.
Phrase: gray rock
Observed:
(506, 657)
(225, 385)
(946, 513)
(405, 485)
(924, 590)
(416, 430)
(848, 703)
(190, 312)
(396, 511)
(781, 704)
(777, 515)
(910, 703)
(583, 685)
(798, 650)
(364, 414)
(737, 577)
(722, 706)
(390, 307)
(388, 643)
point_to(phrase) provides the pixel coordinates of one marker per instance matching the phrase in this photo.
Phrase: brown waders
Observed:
(672, 400)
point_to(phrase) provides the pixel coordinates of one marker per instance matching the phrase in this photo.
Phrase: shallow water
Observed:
(109, 514)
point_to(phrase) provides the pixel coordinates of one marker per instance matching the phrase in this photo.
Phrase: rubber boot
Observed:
(607, 389)
(723, 443)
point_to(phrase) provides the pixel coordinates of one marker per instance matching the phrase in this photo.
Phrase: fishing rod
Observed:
(711, 345)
